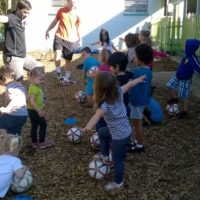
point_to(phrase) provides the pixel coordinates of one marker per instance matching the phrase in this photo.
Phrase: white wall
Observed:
(95, 14)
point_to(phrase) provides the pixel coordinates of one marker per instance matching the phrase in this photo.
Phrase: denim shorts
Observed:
(137, 112)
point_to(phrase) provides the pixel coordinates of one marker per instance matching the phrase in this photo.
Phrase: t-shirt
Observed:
(15, 37)
(140, 94)
(8, 166)
(16, 97)
(116, 118)
(68, 25)
(37, 92)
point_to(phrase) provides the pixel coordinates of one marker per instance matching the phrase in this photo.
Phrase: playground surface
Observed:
(169, 169)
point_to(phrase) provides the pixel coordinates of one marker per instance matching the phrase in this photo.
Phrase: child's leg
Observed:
(89, 100)
(34, 125)
(138, 125)
(119, 150)
(42, 131)
(105, 140)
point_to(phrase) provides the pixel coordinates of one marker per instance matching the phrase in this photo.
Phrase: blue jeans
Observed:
(119, 150)
(13, 124)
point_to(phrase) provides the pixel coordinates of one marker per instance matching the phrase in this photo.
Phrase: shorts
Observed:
(137, 112)
(89, 89)
(13, 124)
(18, 65)
(183, 86)
(65, 46)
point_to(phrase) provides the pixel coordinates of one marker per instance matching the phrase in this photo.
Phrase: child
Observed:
(139, 96)
(131, 40)
(118, 62)
(144, 37)
(36, 109)
(108, 98)
(103, 57)
(104, 41)
(14, 115)
(183, 77)
(10, 164)
(153, 113)
(88, 63)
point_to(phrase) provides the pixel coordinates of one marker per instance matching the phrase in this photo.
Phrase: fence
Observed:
(170, 35)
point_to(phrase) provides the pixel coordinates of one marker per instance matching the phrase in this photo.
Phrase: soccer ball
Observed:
(94, 141)
(93, 70)
(81, 97)
(74, 134)
(98, 170)
(23, 184)
(173, 109)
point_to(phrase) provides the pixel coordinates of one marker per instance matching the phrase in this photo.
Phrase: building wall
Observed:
(95, 14)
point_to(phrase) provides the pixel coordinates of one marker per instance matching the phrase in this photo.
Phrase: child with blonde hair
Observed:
(103, 57)
(36, 109)
(10, 165)
(14, 114)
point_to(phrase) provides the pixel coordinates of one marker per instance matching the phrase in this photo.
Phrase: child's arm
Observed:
(95, 43)
(94, 119)
(31, 100)
(3, 19)
(19, 173)
(133, 83)
(115, 49)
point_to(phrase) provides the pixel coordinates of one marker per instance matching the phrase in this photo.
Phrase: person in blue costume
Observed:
(183, 78)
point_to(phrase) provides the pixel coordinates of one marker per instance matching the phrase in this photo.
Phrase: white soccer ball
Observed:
(74, 134)
(23, 184)
(98, 170)
(173, 109)
(93, 70)
(81, 97)
(94, 140)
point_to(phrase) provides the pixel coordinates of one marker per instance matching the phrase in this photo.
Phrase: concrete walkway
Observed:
(161, 78)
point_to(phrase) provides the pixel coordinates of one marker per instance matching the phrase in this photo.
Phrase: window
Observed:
(55, 5)
(136, 6)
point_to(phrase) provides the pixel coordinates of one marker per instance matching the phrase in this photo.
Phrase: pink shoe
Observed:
(47, 143)
(35, 145)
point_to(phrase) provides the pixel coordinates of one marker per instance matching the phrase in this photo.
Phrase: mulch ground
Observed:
(170, 168)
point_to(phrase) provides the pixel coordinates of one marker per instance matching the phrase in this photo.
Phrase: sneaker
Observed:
(47, 143)
(99, 156)
(35, 145)
(136, 149)
(113, 186)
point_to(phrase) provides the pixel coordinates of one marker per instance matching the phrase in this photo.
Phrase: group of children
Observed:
(120, 92)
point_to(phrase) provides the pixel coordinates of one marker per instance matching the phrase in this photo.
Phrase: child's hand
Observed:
(141, 79)
(41, 113)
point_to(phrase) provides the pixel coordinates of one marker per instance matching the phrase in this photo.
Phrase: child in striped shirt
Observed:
(108, 98)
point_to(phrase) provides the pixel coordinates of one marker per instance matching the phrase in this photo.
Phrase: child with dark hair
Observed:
(131, 40)
(89, 62)
(14, 114)
(139, 96)
(104, 41)
(184, 74)
(108, 98)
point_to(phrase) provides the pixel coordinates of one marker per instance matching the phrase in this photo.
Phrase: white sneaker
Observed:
(113, 186)
(99, 156)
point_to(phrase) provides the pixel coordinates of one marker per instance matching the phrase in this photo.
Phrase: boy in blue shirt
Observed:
(139, 96)
(184, 74)
(88, 63)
